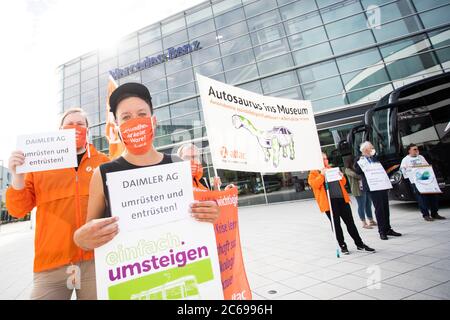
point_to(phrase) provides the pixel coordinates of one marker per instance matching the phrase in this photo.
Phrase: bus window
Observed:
(358, 138)
(439, 107)
(441, 119)
(416, 126)
(381, 131)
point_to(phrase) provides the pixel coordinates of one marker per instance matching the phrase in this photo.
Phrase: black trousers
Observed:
(428, 203)
(380, 201)
(342, 210)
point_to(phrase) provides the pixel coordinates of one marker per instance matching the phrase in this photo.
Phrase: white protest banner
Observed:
(424, 179)
(333, 174)
(48, 151)
(152, 195)
(251, 132)
(376, 176)
(161, 252)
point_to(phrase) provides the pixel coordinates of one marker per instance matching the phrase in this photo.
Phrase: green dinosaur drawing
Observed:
(271, 141)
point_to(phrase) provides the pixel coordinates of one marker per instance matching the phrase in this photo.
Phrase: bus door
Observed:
(425, 126)
(355, 137)
(383, 133)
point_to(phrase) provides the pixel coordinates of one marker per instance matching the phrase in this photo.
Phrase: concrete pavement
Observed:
(289, 253)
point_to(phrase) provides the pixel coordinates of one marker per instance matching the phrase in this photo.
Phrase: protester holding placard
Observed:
(428, 203)
(131, 105)
(379, 197)
(340, 200)
(362, 197)
(61, 198)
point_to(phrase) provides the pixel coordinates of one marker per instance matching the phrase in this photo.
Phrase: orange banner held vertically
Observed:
(234, 279)
(111, 132)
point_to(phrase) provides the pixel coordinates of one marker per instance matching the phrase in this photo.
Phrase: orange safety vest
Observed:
(61, 197)
(317, 180)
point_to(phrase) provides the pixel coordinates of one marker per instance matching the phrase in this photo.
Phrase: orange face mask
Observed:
(196, 170)
(137, 135)
(80, 133)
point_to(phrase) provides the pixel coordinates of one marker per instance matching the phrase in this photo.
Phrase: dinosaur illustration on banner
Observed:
(271, 141)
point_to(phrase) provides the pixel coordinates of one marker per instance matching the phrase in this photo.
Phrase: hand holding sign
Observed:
(96, 233)
(205, 211)
(217, 183)
(16, 159)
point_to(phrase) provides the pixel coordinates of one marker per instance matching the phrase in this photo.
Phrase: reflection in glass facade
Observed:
(341, 55)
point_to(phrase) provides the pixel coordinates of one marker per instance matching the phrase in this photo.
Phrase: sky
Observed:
(39, 35)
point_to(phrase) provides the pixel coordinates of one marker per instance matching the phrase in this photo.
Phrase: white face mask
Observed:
(372, 152)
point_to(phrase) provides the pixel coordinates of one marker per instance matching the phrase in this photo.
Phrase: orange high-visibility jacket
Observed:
(61, 197)
(317, 182)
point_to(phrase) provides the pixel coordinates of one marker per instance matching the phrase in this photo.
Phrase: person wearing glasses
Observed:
(428, 203)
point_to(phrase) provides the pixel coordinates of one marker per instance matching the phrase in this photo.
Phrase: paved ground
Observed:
(289, 253)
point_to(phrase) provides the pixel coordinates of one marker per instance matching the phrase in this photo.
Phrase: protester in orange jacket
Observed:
(339, 203)
(61, 198)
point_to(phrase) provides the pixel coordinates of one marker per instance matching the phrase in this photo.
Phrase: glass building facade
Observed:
(341, 55)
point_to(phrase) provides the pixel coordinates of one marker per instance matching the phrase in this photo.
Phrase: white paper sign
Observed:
(255, 133)
(376, 176)
(333, 174)
(151, 196)
(424, 179)
(48, 151)
(363, 163)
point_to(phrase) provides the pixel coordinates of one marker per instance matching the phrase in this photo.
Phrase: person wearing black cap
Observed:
(132, 108)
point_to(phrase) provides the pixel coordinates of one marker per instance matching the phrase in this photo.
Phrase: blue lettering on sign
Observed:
(148, 62)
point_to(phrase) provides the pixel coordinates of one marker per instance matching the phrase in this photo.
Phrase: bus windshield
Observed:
(416, 126)
(381, 131)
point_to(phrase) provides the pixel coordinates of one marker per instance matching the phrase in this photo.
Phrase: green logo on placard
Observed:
(171, 284)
